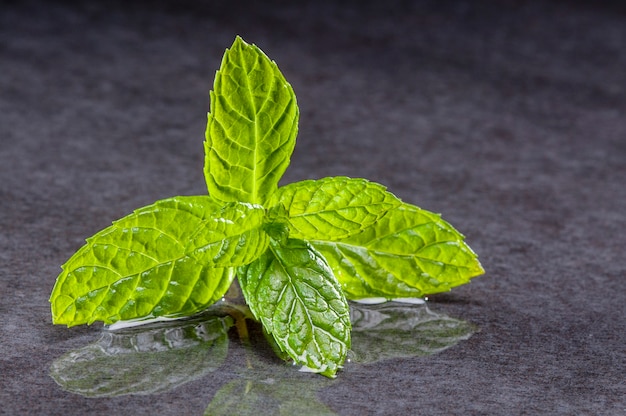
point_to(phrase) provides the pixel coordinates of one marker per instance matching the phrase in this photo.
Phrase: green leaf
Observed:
(146, 360)
(333, 208)
(143, 267)
(294, 294)
(251, 129)
(409, 252)
(234, 236)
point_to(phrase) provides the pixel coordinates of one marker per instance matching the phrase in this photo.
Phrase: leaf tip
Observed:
(239, 40)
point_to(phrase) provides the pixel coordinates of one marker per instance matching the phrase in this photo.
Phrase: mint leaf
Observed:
(251, 129)
(294, 294)
(232, 237)
(333, 208)
(138, 268)
(409, 252)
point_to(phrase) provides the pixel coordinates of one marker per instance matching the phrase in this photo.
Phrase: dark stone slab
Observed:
(507, 117)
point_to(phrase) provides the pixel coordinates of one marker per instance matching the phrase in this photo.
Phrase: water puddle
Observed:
(162, 356)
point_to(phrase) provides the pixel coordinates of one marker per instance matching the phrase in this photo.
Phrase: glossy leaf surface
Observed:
(144, 267)
(334, 207)
(294, 294)
(234, 236)
(251, 129)
(409, 252)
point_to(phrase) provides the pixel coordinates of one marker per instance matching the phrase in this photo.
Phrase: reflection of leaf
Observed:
(267, 386)
(393, 330)
(152, 359)
(267, 397)
(145, 360)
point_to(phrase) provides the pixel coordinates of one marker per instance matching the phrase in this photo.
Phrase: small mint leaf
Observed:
(138, 268)
(277, 230)
(333, 208)
(232, 237)
(295, 295)
(409, 252)
(252, 127)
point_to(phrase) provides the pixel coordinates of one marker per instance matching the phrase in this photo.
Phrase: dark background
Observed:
(508, 117)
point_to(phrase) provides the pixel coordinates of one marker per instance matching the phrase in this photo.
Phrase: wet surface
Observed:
(164, 356)
(507, 117)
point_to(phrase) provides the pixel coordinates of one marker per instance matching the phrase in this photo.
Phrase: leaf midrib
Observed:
(255, 151)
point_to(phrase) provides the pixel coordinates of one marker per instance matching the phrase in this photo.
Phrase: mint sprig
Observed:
(299, 251)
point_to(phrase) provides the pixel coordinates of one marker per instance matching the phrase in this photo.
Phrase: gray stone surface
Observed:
(507, 117)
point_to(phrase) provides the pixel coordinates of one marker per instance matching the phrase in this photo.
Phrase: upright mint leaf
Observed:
(143, 267)
(409, 252)
(333, 208)
(294, 294)
(251, 129)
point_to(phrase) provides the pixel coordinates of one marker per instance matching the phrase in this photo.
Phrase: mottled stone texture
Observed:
(506, 116)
